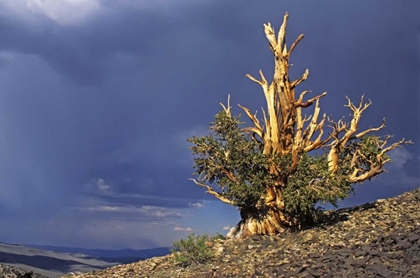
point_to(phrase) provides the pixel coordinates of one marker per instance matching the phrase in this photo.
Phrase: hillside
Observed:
(47, 263)
(55, 261)
(378, 239)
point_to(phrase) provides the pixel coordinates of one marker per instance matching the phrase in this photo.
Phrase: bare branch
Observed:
(254, 119)
(253, 130)
(216, 194)
(361, 107)
(365, 106)
(227, 110)
(310, 102)
(376, 167)
(305, 119)
(295, 43)
(267, 123)
(299, 126)
(357, 115)
(263, 82)
(396, 144)
(300, 80)
(363, 133)
(254, 79)
(310, 129)
(269, 33)
(318, 143)
(300, 99)
(387, 137)
(281, 37)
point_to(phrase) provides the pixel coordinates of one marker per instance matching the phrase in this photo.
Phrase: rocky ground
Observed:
(7, 271)
(379, 239)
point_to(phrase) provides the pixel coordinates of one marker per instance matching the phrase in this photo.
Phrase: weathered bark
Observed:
(269, 219)
(258, 222)
(283, 124)
(284, 132)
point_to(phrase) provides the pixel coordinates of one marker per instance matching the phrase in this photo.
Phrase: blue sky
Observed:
(98, 97)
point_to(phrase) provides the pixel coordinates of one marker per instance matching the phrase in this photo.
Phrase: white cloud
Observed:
(147, 212)
(99, 185)
(399, 157)
(102, 186)
(108, 208)
(64, 12)
(226, 228)
(160, 211)
(151, 211)
(196, 205)
(188, 229)
(397, 176)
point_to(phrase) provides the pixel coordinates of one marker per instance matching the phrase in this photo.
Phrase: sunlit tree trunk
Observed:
(285, 131)
(268, 220)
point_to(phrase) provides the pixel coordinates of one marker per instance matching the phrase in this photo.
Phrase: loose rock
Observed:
(379, 239)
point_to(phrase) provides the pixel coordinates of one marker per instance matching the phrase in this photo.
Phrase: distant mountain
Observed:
(54, 261)
(121, 255)
(46, 262)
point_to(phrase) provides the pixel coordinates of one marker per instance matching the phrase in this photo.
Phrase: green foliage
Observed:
(193, 249)
(312, 184)
(368, 147)
(229, 151)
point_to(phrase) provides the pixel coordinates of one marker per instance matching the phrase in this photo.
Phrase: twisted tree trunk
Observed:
(269, 219)
(284, 133)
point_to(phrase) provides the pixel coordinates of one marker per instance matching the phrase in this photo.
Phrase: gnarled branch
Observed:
(376, 166)
(216, 194)
(309, 102)
(295, 83)
(258, 128)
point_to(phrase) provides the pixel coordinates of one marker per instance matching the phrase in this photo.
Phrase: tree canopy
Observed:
(270, 170)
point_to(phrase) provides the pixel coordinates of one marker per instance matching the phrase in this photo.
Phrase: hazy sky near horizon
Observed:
(98, 97)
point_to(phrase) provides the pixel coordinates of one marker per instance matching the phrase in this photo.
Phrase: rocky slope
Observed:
(379, 239)
(8, 271)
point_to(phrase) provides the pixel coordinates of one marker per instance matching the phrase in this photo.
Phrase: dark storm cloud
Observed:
(84, 53)
(94, 116)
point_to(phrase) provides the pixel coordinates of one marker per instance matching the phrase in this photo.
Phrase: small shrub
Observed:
(194, 249)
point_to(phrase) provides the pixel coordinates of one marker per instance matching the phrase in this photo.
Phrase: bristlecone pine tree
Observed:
(266, 171)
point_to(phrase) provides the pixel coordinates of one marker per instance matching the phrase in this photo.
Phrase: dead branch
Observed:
(363, 133)
(294, 44)
(216, 194)
(227, 109)
(269, 32)
(396, 144)
(295, 83)
(263, 83)
(309, 102)
(258, 128)
(281, 37)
